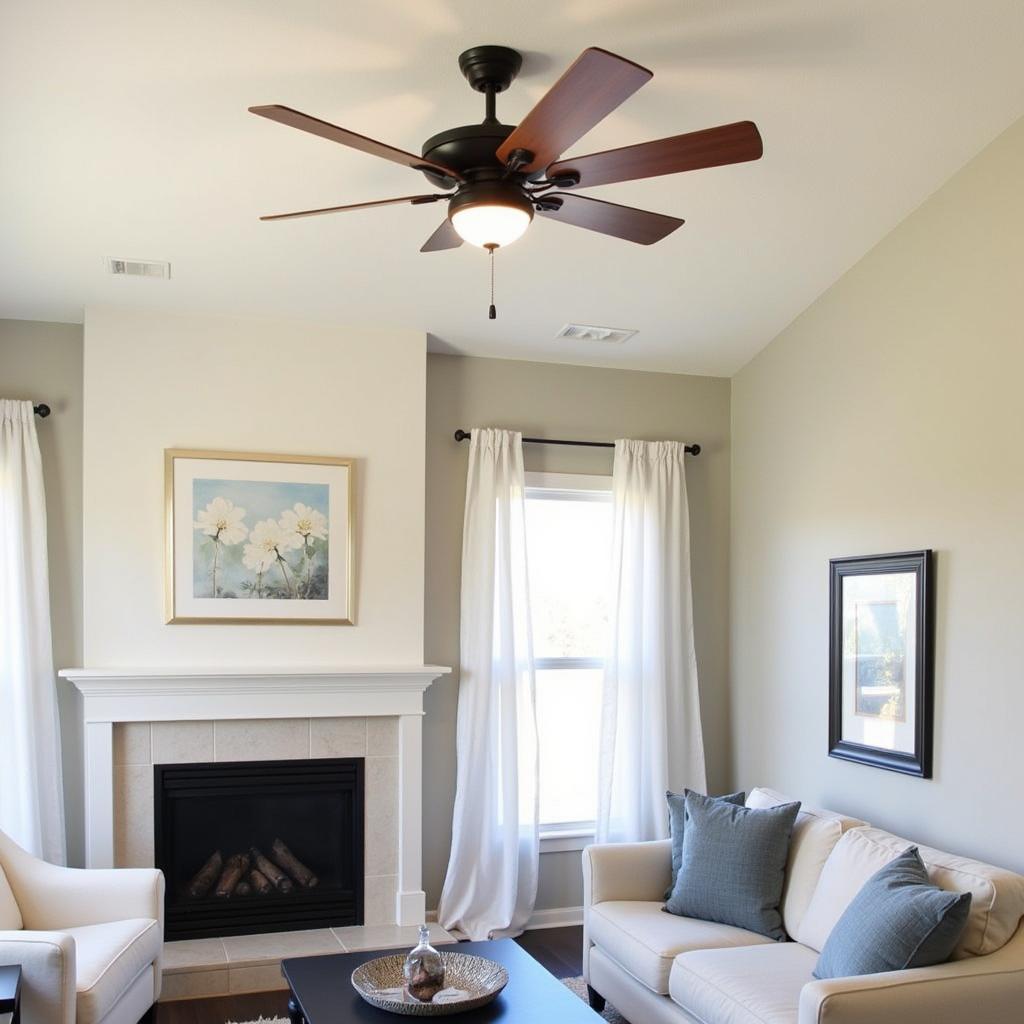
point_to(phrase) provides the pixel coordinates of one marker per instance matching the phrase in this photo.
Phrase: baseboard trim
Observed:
(555, 917)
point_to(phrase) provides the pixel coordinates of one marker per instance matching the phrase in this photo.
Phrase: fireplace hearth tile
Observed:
(278, 739)
(194, 955)
(382, 737)
(182, 742)
(194, 985)
(337, 737)
(132, 743)
(388, 936)
(265, 978)
(257, 950)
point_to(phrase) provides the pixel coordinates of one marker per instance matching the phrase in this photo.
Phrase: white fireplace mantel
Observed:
(197, 694)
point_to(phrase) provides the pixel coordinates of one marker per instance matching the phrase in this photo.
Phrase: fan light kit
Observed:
(496, 176)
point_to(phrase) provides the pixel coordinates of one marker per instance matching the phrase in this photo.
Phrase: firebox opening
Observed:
(260, 846)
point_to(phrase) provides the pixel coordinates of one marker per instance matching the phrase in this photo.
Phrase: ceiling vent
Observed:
(139, 268)
(587, 332)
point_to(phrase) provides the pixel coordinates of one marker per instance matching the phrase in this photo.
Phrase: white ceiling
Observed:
(124, 132)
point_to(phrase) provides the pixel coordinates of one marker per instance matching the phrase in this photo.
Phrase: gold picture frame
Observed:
(281, 547)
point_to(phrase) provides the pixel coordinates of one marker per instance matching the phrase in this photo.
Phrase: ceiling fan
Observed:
(497, 175)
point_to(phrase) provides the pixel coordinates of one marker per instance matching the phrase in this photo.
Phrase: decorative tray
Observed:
(470, 982)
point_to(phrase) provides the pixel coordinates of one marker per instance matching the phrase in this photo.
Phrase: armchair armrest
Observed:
(47, 962)
(52, 897)
(982, 990)
(626, 871)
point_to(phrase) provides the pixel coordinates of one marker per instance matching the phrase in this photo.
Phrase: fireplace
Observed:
(259, 846)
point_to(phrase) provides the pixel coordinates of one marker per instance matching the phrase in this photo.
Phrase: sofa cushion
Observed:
(997, 895)
(677, 825)
(897, 921)
(644, 940)
(734, 864)
(754, 985)
(10, 915)
(109, 958)
(815, 833)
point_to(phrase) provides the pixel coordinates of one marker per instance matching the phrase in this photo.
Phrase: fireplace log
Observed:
(284, 858)
(259, 882)
(277, 877)
(242, 889)
(234, 867)
(206, 876)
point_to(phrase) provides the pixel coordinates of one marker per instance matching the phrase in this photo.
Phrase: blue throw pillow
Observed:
(677, 825)
(734, 864)
(897, 920)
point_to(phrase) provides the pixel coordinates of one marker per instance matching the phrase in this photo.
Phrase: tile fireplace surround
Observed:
(134, 718)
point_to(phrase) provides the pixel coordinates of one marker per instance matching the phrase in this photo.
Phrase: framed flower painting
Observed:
(263, 539)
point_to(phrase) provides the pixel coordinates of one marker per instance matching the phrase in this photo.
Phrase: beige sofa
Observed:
(655, 967)
(89, 942)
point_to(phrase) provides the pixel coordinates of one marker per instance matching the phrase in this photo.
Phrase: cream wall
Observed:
(160, 381)
(42, 362)
(889, 417)
(555, 400)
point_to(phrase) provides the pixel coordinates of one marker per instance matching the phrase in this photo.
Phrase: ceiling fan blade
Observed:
(313, 125)
(712, 147)
(413, 200)
(445, 237)
(593, 86)
(639, 226)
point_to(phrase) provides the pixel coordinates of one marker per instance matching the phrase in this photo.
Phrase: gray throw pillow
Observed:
(897, 920)
(734, 864)
(677, 825)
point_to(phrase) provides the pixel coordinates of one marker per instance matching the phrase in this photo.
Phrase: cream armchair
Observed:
(89, 942)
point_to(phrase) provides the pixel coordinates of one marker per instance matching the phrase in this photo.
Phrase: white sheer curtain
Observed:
(650, 724)
(491, 884)
(31, 801)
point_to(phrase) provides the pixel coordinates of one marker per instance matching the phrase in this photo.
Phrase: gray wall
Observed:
(43, 362)
(554, 400)
(889, 417)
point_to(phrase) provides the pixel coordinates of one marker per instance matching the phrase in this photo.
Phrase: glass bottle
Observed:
(424, 969)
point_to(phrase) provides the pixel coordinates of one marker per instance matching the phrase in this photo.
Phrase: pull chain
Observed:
(492, 313)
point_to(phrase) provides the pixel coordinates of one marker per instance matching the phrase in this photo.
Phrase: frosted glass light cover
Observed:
(490, 225)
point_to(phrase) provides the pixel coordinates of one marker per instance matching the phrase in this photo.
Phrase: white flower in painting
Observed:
(306, 522)
(222, 520)
(267, 538)
(259, 559)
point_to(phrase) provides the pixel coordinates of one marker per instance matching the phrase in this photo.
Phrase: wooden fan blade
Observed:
(712, 147)
(445, 237)
(313, 125)
(639, 226)
(593, 86)
(414, 200)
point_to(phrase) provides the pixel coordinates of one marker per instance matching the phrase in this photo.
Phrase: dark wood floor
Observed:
(560, 950)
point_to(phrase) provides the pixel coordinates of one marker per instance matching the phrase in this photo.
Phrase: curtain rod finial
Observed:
(42, 410)
(462, 435)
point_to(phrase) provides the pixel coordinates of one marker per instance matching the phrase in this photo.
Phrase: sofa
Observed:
(657, 968)
(89, 942)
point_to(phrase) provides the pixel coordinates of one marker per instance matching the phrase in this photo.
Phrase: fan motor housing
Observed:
(466, 149)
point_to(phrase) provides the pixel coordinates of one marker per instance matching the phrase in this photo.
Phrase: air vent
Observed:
(140, 268)
(587, 332)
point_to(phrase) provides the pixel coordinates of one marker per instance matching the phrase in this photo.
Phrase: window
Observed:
(569, 538)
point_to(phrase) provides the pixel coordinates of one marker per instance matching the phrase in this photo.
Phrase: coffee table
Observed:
(322, 992)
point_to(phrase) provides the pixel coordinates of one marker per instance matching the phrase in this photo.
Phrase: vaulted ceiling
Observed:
(124, 133)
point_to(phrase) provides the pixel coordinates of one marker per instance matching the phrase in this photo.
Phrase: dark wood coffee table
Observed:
(322, 992)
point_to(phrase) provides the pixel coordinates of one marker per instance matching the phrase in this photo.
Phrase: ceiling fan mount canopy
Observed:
(493, 67)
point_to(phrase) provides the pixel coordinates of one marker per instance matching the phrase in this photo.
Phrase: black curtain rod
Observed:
(464, 435)
(42, 410)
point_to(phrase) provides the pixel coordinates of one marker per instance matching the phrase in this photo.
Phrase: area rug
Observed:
(577, 986)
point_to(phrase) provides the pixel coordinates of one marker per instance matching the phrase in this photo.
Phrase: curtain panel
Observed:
(651, 736)
(31, 797)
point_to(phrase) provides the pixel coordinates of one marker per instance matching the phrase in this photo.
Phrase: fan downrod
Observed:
(493, 67)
